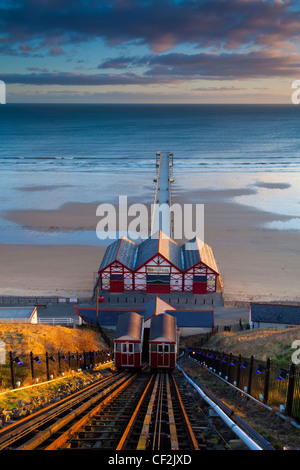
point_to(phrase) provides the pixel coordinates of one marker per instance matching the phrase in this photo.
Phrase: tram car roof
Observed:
(163, 328)
(129, 327)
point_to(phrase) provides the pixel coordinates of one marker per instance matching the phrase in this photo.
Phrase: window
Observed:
(118, 347)
(163, 348)
(116, 277)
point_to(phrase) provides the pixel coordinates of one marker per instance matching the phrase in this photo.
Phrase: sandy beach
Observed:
(257, 263)
(63, 271)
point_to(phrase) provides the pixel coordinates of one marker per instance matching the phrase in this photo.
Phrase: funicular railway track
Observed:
(147, 413)
(34, 430)
(142, 410)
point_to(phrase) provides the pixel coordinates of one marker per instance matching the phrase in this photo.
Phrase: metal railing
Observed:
(59, 321)
(28, 369)
(272, 383)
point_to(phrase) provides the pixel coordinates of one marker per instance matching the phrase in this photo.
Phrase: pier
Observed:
(159, 265)
(161, 215)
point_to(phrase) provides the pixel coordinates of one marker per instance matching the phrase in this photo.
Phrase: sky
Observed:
(149, 51)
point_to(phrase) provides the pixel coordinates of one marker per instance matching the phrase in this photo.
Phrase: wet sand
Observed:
(257, 263)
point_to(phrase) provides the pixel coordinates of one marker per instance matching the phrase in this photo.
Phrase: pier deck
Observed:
(161, 215)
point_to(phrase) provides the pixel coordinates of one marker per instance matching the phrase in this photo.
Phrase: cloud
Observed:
(160, 24)
(222, 66)
(171, 68)
(77, 79)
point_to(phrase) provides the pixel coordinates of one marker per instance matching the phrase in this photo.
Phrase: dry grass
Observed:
(22, 339)
(261, 343)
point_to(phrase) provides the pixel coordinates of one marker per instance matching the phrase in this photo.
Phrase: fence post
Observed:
(290, 392)
(223, 365)
(31, 365)
(250, 375)
(229, 368)
(239, 371)
(12, 370)
(267, 379)
(47, 366)
(59, 364)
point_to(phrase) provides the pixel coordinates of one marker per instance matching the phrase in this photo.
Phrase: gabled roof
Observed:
(163, 328)
(275, 313)
(155, 307)
(196, 251)
(122, 250)
(159, 243)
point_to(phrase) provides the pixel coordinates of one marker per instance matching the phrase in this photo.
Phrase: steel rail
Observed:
(30, 424)
(244, 436)
(157, 426)
(78, 425)
(142, 443)
(19, 425)
(124, 439)
(189, 429)
(172, 424)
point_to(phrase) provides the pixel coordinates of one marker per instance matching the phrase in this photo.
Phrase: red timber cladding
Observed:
(116, 268)
(128, 354)
(162, 357)
(200, 270)
(159, 266)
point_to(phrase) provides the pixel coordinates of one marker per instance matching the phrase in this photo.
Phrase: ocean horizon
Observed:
(204, 137)
(54, 154)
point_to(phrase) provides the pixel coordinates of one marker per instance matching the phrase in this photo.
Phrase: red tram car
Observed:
(163, 342)
(128, 340)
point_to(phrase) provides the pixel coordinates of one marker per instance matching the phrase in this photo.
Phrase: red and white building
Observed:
(159, 265)
(116, 270)
(201, 273)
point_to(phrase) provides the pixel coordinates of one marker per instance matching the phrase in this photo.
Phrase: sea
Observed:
(53, 154)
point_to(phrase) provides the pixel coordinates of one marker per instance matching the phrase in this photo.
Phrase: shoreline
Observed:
(256, 262)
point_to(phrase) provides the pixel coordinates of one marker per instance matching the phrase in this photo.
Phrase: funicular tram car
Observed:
(128, 340)
(163, 342)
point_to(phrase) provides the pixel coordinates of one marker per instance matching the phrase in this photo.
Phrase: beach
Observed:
(257, 263)
(241, 162)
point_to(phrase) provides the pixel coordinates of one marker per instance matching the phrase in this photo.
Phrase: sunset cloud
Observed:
(148, 42)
